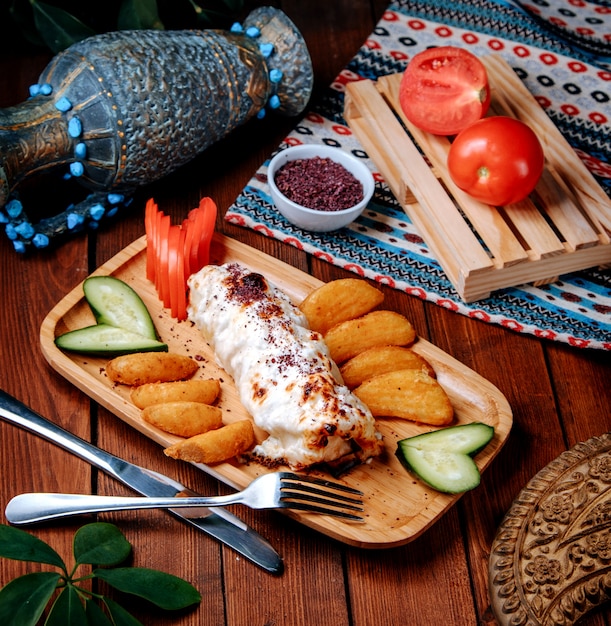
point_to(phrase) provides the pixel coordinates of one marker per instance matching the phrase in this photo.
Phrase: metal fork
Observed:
(277, 490)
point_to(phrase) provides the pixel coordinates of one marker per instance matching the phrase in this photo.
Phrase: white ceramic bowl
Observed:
(313, 219)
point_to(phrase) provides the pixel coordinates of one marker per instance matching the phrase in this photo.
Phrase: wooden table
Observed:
(559, 396)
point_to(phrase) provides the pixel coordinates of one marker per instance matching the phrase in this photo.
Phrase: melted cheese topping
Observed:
(281, 369)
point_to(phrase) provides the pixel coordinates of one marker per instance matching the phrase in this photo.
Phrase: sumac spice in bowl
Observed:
(319, 188)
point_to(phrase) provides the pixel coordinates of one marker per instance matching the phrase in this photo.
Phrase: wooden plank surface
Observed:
(559, 396)
(504, 246)
(561, 227)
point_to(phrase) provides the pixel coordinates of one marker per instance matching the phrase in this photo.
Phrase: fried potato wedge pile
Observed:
(171, 400)
(372, 348)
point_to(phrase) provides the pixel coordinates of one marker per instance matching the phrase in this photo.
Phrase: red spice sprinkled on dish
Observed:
(319, 183)
(246, 288)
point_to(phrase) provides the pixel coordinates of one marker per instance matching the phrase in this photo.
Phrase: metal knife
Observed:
(220, 524)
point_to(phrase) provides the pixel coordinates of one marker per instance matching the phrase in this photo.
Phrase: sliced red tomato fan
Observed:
(175, 251)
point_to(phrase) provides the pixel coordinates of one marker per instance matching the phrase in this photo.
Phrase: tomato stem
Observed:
(483, 172)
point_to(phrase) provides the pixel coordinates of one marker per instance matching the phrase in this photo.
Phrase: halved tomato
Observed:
(443, 90)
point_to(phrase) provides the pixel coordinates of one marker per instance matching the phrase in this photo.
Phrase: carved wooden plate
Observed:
(550, 561)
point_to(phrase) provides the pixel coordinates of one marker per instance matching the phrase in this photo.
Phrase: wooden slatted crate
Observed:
(563, 226)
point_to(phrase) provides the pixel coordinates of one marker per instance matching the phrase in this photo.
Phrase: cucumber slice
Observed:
(442, 458)
(115, 303)
(444, 471)
(105, 340)
(465, 438)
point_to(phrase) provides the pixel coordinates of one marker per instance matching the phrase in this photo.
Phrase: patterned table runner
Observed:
(561, 50)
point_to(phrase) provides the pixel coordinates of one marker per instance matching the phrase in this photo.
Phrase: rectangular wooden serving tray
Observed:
(563, 226)
(398, 507)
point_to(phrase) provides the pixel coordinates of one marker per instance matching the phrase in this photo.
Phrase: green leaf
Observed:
(95, 615)
(119, 615)
(234, 5)
(18, 11)
(100, 543)
(23, 600)
(18, 545)
(216, 16)
(164, 590)
(67, 610)
(139, 14)
(58, 28)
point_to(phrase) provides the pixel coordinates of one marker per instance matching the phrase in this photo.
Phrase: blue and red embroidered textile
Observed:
(561, 50)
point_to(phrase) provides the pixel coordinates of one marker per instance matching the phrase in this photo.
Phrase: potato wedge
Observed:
(215, 445)
(150, 367)
(378, 328)
(381, 360)
(204, 391)
(407, 394)
(185, 419)
(338, 301)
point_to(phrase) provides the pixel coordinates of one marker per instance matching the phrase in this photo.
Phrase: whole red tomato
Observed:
(444, 90)
(497, 160)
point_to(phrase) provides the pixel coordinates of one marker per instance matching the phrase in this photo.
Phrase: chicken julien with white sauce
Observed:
(282, 370)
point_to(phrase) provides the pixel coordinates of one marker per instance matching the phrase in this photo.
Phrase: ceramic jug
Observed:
(123, 109)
